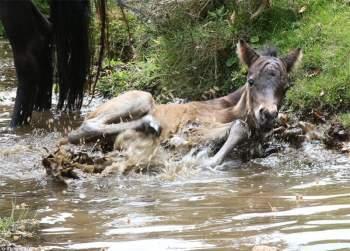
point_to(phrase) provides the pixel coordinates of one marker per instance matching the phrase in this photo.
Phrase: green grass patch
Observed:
(323, 83)
(345, 120)
(19, 224)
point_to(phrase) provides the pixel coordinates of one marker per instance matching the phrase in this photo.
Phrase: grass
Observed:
(18, 224)
(345, 120)
(323, 84)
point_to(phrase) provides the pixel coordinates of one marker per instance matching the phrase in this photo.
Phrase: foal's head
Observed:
(266, 81)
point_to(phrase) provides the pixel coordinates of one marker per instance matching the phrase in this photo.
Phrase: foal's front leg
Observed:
(239, 131)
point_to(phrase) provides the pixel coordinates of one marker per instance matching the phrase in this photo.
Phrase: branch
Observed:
(122, 4)
(264, 4)
(103, 20)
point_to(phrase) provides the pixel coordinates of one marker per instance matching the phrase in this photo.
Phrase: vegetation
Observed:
(2, 31)
(345, 119)
(18, 224)
(187, 49)
(323, 83)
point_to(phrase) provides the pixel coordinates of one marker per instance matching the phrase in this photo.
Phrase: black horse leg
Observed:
(44, 92)
(29, 34)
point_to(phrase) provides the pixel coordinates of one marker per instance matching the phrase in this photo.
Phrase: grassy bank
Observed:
(189, 51)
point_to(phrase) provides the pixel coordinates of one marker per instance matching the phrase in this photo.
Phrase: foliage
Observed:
(189, 45)
(18, 223)
(2, 30)
(43, 6)
(345, 120)
(128, 76)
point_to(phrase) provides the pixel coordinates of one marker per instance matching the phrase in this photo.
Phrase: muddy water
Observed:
(298, 199)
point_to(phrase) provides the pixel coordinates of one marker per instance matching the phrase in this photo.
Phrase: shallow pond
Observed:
(297, 199)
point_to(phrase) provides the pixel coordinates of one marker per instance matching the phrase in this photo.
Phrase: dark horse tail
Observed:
(71, 21)
(32, 37)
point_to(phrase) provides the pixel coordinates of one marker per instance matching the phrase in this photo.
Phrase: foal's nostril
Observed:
(274, 114)
(262, 111)
(268, 114)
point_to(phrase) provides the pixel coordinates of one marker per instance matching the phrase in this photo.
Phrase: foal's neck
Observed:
(236, 105)
(234, 97)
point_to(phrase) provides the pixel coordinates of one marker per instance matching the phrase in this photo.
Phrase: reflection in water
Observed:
(296, 199)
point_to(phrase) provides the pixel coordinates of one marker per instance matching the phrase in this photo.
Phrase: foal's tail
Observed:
(71, 21)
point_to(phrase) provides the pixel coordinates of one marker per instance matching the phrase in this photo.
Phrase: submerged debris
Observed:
(336, 136)
(68, 162)
(7, 246)
(132, 151)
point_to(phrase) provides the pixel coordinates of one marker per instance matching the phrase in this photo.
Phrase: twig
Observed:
(125, 19)
(103, 19)
(136, 11)
(264, 4)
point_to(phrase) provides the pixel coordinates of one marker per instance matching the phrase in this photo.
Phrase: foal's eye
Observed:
(251, 81)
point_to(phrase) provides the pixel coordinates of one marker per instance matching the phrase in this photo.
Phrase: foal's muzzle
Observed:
(266, 117)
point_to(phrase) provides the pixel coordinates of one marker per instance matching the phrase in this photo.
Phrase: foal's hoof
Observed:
(152, 125)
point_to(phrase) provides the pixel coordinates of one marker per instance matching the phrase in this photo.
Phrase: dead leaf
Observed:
(345, 147)
(283, 119)
(232, 17)
(306, 127)
(319, 116)
(302, 9)
(314, 71)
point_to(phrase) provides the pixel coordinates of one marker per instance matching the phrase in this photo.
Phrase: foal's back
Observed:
(174, 117)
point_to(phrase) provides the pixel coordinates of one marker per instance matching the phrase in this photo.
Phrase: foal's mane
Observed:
(269, 50)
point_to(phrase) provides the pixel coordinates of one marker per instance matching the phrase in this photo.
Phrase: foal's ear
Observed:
(246, 54)
(293, 59)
